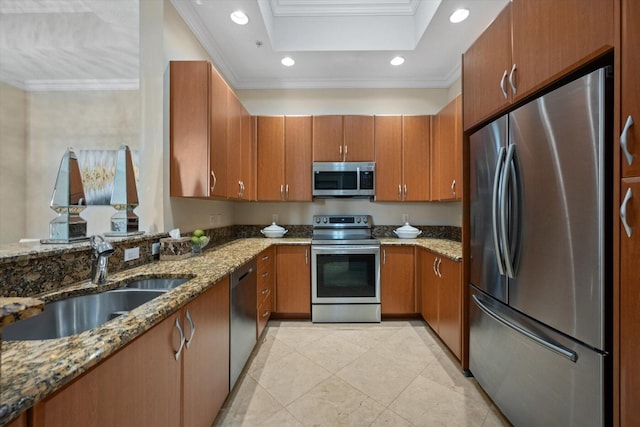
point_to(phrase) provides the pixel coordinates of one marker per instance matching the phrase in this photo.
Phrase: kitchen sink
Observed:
(74, 315)
(165, 283)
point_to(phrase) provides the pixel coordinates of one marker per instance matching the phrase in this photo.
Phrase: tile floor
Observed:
(390, 374)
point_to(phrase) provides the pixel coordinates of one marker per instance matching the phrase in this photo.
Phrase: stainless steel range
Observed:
(345, 269)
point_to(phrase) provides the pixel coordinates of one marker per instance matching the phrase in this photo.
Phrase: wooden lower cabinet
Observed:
(397, 280)
(440, 280)
(206, 355)
(630, 307)
(293, 279)
(264, 288)
(20, 421)
(140, 385)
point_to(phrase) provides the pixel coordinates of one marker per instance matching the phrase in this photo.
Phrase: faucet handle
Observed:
(102, 247)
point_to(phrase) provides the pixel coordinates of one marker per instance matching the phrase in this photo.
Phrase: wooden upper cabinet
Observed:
(234, 147)
(189, 128)
(397, 280)
(327, 139)
(358, 139)
(270, 147)
(388, 155)
(218, 134)
(416, 158)
(446, 164)
(297, 158)
(550, 38)
(630, 86)
(293, 279)
(486, 66)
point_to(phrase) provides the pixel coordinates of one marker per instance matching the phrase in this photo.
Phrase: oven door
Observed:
(345, 274)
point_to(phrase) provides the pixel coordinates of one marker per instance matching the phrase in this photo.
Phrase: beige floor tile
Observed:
(332, 352)
(456, 381)
(378, 376)
(299, 335)
(290, 377)
(334, 402)
(270, 351)
(389, 418)
(249, 405)
(367, 336)
(496, 419)
(282, 418)
(427, 403)
(406, 347)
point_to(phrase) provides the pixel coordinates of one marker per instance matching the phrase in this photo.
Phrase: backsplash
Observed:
(29, 270)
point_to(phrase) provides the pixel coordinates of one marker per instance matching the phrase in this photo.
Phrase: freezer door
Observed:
(536, 376)
(487, 153)
(559, 269)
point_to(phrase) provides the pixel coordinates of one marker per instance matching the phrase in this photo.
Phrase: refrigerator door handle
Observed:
(555, 347)
(504, 211)
(495, 206)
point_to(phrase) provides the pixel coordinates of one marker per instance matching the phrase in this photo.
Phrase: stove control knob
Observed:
(365, 219)
(358, 220)
(324, 220)
(317, 220)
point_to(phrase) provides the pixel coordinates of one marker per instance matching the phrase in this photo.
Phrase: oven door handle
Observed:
(344, 248)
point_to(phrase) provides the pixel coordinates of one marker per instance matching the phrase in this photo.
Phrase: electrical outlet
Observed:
(274, 218)
(218, 219)
(212, 219)
(155, 248)
(131, 254)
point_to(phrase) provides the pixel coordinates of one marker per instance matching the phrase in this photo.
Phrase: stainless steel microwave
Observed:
(344, 179)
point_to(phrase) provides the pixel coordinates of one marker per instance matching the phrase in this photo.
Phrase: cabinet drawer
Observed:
(264, 313)
(265, 260)
(264, 287)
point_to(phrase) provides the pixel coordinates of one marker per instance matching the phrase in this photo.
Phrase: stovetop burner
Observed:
(343, 230)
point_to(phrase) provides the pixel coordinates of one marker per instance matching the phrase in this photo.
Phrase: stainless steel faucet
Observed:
(99, 261)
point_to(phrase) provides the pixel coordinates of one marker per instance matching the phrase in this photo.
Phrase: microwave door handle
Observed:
(357, 178)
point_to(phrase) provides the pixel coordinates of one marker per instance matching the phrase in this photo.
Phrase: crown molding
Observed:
(80, 85)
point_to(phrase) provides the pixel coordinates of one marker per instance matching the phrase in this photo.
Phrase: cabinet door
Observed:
(19, 421)
(450, 304)
(297, 158)
(218, 134)
(206, 355)
(358, 139)
(388, 149)
(293, 279)
(327, 139)
(416, 158)
(445, 165)
(137, 386)
(484, 65)
(630, 93)
(234, 146)
(551, 37)
(630, 308)
(270, 158)
(248, 154)
(189, 128)
(397, 280)
(428, 282)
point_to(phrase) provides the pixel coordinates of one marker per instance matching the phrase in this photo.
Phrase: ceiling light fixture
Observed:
(398, 60)
(459, 15)
(239, 17)
(287, 61)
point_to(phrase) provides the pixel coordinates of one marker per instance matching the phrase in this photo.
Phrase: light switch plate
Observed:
(131, 254)
(155, 248)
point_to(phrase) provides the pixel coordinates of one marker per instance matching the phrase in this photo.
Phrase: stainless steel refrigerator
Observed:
(539, 259)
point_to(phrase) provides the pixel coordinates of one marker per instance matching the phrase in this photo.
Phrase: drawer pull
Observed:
(265, 314)
(623, 212)
(623, 140)
(265, 291)
(266, 257)
(265, 274)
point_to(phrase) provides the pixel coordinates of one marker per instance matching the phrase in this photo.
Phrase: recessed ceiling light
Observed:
(459, 15)
(239, 17)
(398, 60)
(288, 61)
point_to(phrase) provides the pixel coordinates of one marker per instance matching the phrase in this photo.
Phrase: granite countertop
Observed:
(14, 309)
(33, 370)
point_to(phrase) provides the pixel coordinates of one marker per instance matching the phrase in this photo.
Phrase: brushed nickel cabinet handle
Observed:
(306, 257)
(265, 291)
(453, 188)
(438, 267)
(287, 192)
(281, 191)
(266, 257)
(346, 151)
(623, 140)
(400, 191)
(435, 261)
(265, 274)
(502, 86)
(513, 86)
(405, 192)
(177, 355)
(193, 328)
(265, 313)
(215, 180)
(384, 256)
(623, 213)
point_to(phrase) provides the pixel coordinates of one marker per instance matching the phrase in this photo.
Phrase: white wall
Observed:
(13, 163)
(455, 89)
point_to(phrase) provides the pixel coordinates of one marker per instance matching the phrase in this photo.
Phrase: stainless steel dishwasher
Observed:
(243, 318)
